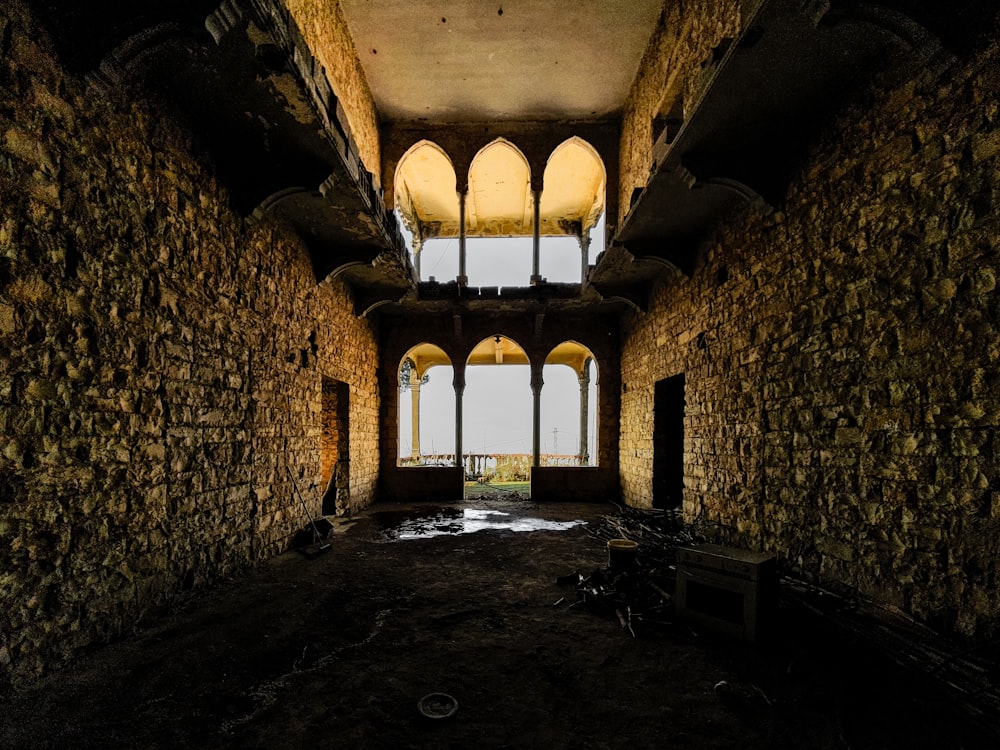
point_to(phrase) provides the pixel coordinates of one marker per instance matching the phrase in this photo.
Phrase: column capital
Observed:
(536, 381)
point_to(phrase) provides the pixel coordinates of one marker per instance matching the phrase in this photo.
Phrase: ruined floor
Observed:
(337, 651)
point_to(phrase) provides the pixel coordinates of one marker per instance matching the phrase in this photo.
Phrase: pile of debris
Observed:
(501, 495)
(484, 490)
(968, 673)
(640, 596)
(636, 591)
(657, 532)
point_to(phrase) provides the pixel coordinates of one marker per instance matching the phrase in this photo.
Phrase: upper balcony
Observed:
(756, 109)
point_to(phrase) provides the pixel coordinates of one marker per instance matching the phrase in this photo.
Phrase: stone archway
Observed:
(582, 363)
(412, 376)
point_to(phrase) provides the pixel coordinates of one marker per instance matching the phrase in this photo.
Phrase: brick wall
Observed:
(161, 363)
(842, 360)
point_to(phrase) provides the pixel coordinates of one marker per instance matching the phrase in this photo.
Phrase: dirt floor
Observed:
(337, 651)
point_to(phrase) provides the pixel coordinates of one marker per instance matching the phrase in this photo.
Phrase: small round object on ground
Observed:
(438, 706)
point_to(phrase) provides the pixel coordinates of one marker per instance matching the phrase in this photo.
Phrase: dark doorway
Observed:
(335, 465)
(668, 442)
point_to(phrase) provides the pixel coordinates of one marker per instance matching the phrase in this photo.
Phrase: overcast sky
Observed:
(497, 411)
(505, 261)
(497, 401)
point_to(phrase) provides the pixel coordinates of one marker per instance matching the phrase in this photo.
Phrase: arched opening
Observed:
(500, 203)
(572, 204)
(497, 411)
(426, 407)
(425, 198)
(492, 236)
(499, 217)
(574, 186)
(569, 407)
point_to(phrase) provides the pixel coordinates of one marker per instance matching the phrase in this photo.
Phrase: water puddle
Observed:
(453, 521)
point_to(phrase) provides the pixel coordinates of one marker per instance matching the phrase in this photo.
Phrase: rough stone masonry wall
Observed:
(160, 365)
(682, 41)
(842, 358)
(325, 30)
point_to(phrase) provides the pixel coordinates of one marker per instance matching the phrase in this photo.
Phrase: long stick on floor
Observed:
(316, 536)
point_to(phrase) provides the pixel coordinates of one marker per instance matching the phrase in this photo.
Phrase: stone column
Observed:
(536, 278)
(584, 377)
(585, 253)
(459, 384)
(418, 245)
(536, 414)
(414, 413)
(462, 279)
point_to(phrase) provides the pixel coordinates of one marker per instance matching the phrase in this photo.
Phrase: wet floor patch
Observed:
(422, 524)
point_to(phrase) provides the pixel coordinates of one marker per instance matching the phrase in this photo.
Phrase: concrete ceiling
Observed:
(475, 60)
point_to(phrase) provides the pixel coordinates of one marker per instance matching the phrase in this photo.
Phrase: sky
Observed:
(497, 411)
(506, 261)
(497, 403)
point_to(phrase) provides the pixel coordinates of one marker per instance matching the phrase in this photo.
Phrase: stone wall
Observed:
(842, 358)
(439, 484)
(578, 484)
(325, 30)
(160, 365)
(671, 66)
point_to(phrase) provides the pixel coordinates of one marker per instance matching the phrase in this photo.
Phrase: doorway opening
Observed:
(668, 443)
(335, 465)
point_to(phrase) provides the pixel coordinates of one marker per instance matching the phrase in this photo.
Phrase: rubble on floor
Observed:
(641, 599)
